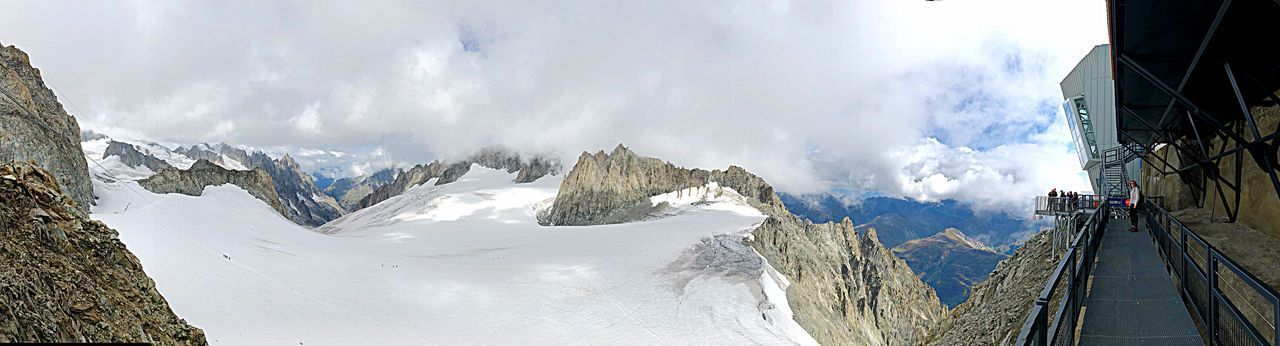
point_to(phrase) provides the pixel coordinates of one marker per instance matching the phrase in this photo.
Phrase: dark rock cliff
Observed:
(203, 173)
(34, 127)
(66, 278)
(846, 288)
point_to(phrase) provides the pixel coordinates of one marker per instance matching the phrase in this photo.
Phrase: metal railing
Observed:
(1046, 205)
(1065, 291)
(1234, 306)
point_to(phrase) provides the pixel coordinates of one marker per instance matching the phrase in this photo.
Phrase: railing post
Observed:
(1182, 256)
(1042, 320)
(1212, 324)
(1073, 308)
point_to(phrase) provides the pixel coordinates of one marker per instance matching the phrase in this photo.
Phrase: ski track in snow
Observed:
(464, 262)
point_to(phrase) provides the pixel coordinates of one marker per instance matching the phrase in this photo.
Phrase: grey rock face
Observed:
(35, 127)
(998, 306)
(201, 152)
(495, 158)
(305, 203)
(129, 155)
(204, 173)
(846, 288)
(349, 191)
(67, 278)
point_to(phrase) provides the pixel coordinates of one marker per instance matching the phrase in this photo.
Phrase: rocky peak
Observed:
(35, 127)
(202, 173)
(68, 278)
(959, 237)
(129, 155)
(846, 288)
(529, 169)
(950, 262)
(200, 152)
(304, 203)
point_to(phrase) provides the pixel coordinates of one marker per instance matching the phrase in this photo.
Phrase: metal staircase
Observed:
(1114, 178)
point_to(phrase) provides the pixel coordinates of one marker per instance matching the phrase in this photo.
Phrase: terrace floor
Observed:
(1133, 300)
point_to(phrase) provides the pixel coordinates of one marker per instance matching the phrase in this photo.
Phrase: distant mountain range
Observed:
(928, 236)
(900, 220)
(950, 262)
(349, 191)
(304, 202)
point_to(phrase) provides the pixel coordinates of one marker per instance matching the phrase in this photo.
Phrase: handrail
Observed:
(1046, 205)
(1219, 313)
(1075, 267)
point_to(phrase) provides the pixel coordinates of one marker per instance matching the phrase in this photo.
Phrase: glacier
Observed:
(464, 262)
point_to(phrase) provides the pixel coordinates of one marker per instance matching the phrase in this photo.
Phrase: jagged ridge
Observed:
(203, 173)
(846, 288)
(304, 203)
(129, 155)
(491, 157)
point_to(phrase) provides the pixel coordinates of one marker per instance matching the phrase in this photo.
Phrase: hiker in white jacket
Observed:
(1135, 197)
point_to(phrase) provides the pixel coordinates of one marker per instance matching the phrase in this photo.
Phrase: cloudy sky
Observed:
(923, 99)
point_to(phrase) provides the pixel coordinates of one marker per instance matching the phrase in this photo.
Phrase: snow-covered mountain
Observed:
(528, 169)
(464, 262)
(304, 202)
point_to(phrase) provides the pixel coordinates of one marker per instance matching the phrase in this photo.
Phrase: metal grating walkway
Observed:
(1133, 300)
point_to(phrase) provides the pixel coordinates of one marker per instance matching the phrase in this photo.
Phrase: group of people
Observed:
(1070, 199)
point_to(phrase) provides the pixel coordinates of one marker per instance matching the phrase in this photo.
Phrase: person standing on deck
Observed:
(1135, 197)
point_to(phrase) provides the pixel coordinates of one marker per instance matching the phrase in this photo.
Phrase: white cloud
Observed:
(809, 94)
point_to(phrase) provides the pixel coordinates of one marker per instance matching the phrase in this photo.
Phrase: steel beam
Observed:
(1193, 108)
(1195, 60)
(1257, 148)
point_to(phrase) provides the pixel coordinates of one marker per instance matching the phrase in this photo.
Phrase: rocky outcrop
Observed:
(950, 262)
(129, 155)
(203, 173)
(35, 127)
(304, 203)
(846, 288)
(496, 158)
(995, 311)
(66, 278)
(1259, 206)
(349, 191)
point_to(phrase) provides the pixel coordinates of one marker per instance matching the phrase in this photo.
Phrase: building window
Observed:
(1086, 126)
